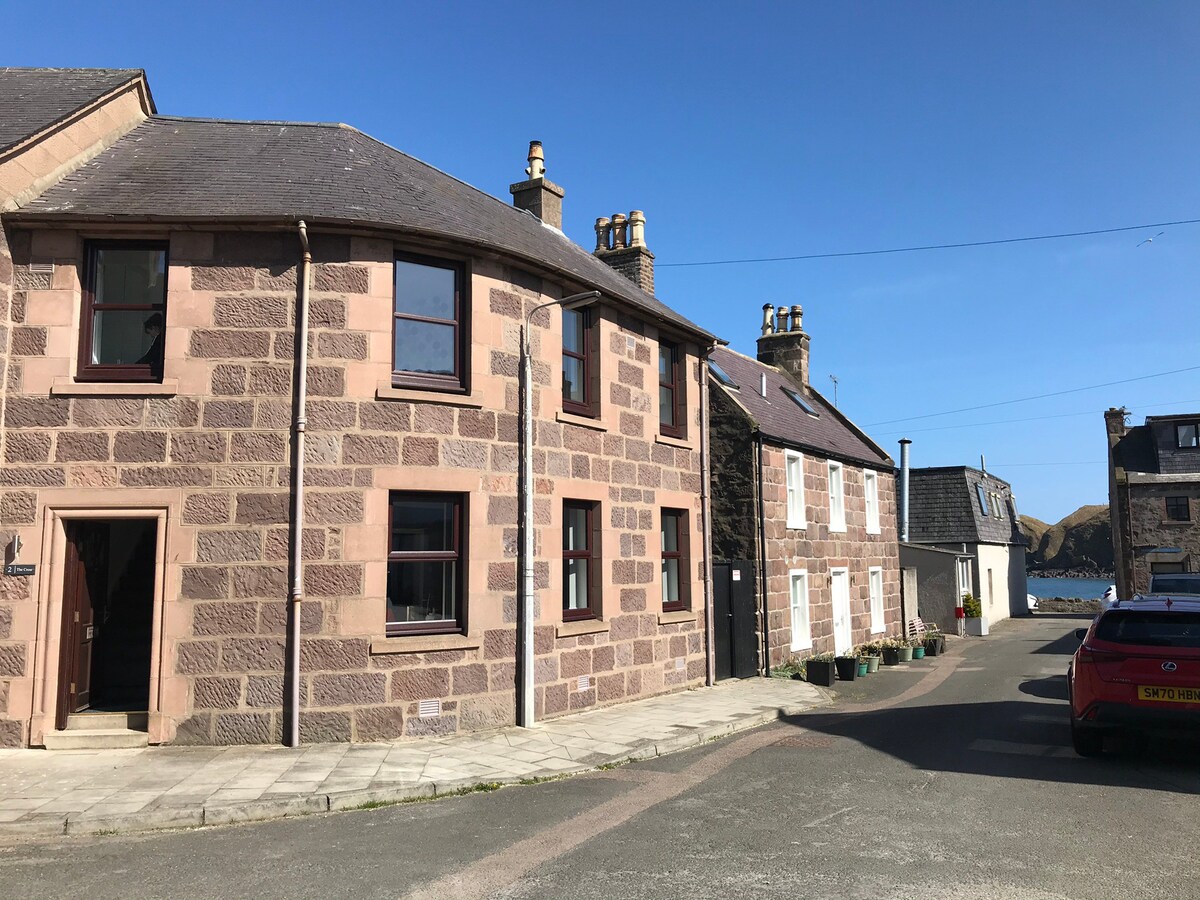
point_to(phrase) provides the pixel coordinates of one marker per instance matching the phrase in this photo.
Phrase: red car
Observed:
(1136, 672)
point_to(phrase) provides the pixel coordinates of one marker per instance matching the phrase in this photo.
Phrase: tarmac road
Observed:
(954, 781)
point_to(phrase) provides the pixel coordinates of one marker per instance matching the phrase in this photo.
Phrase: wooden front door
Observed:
(84, 587)
(734, 623)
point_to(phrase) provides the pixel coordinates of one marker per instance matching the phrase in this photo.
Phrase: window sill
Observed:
(875, 531)
(1183, 523)
(799, 648)
(582, 421)
(797, 526)
(385, 391)
(66, 387)
(424, 643)
(676, 616)
(681, 443)
(580, 626)
(878, 630)
(837, 529)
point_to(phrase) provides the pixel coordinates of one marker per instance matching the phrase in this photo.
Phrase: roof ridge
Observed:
(217, 120)
(69, 69)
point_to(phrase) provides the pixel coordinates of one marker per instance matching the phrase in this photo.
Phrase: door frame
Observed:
(844, 571)
(51, 593)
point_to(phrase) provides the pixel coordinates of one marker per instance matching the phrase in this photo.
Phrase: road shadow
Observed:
(1028, 739)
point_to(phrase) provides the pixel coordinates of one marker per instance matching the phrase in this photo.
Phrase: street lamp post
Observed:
(526, 607)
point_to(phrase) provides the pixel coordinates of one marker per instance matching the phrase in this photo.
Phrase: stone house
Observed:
(971, 513)
(803, 503)
(167, 570)
(1153, 497)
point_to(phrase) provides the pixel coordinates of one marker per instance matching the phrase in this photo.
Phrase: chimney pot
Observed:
(782, 326)
(537, 160)
(797, 317)
(768, 323)
(637, 228)
(603, 227)
(618, 231)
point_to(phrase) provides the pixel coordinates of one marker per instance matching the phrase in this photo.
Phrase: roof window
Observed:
(799, 401)
(721, 375)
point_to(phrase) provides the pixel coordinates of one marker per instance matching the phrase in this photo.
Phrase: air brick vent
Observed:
(429, 708)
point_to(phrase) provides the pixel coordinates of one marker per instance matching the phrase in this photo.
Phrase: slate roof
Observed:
(944, 507)
(31, 100)
(180, 169)
(777, 416)
(1134, 451)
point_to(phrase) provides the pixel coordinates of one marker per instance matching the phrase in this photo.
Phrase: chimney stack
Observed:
(1114, 420)
(621, 243)
(538, 194)
(783, 347)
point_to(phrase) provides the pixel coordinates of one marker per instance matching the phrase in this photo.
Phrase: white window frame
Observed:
(797, 513)
(837, 513)
(798, 605)
(875, 588)
(871, 499)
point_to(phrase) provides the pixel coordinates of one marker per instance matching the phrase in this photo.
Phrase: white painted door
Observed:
(839, 587)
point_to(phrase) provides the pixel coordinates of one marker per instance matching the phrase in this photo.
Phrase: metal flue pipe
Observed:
(904, 444)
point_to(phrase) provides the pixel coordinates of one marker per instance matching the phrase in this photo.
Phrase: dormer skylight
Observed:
(721, 375)
(800, 402)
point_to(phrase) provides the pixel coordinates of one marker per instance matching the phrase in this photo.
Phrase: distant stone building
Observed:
(973, 514)
(1154, 497)
(804, 511)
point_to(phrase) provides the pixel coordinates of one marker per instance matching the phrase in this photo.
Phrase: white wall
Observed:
(996, 602)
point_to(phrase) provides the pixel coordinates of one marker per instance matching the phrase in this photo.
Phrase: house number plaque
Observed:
(20, 569)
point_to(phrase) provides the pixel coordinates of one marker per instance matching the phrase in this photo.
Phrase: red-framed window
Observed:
(426, 563)
(581, 596)
(675, 580)
(429, 324)
(579, 389)
(672, 408)
(124, 311)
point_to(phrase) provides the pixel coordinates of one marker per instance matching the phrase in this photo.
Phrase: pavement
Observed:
(111, 791)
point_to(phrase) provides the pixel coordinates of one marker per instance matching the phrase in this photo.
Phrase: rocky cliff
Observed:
(1082, 542)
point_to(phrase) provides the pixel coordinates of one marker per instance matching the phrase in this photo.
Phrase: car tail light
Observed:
(1090, 655)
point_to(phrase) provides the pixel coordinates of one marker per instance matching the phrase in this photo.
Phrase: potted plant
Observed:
(870, 651)
(918, 647)
(935, 642)
(976, 624)
(862, 666)
(819, 669)
(890, 650)
(904, 649)
(847, 667)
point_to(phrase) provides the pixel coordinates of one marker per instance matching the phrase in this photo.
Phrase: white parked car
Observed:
(1032, 600)
(1109, 597)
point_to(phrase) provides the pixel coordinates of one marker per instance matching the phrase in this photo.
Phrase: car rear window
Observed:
(1156, 629)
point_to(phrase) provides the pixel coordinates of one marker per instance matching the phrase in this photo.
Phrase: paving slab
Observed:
(90, 791)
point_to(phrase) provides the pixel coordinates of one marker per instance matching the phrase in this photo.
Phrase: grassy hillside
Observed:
(1083, 540)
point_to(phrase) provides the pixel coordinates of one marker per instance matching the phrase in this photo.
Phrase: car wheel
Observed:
(1086, 743)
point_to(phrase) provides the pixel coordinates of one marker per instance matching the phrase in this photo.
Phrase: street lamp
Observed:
(525, 612)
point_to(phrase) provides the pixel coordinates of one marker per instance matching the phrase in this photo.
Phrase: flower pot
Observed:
(933, 646)
(918, 652)
(891, 656)
(872, 664)
(905, 654)
(977, 626)
(847, 667)
(819, 672)
(862, 668)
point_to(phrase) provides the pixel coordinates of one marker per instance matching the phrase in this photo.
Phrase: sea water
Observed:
(1083, 588)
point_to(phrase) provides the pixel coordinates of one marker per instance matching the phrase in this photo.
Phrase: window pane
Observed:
(574, 328)
(131, 276)
(666, 357)
(666, 406)
(126, 337)
(670, 581)
(424, 347)
(425, 290)
(1187, 435)
(576, 596)
(421, 591)
(670, 532)
(573, 386)
(422, 525)
(575, 536)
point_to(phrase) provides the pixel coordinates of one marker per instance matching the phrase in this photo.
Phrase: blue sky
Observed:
(762, 130)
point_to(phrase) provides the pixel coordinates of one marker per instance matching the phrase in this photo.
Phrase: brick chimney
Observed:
(621, 243)
(783, 346)
(538, 194)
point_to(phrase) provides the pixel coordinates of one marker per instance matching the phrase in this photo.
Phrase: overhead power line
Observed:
(1084, 462)
(1090, 412)
(955, 246)
(1090, 387)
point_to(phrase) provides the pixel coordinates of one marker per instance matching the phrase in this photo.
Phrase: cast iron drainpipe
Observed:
(710, 667)
(292, 738)
(762, 561)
